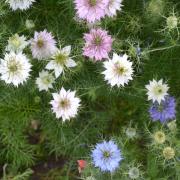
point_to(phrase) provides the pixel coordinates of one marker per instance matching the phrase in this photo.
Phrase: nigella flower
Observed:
(65, 104)
(45, 80)
(98, 44)
(163, 111)
(43, 45)
(112, 7)
(91, 10)
(20, 4)
(106, 156)
(61, 60)
(15, 68)
(118, 71)
(157, 90)
(16, 43)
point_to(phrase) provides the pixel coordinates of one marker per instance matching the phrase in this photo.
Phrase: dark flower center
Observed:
(106, 154)
(65, 103)
(92, 2)
(40, 43)
(120, 70)
(160, 107)
(97, 41)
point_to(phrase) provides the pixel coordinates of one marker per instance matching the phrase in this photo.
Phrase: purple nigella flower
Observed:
(106, 156)
(164, 111)
(97, 44)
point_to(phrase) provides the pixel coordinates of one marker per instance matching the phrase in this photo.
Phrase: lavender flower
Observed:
(43, 46)
(106, 156)
(163, 111)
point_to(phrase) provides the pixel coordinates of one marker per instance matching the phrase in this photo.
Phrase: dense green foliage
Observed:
(106, 112)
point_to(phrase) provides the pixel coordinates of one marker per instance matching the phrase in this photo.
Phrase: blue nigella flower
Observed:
(106, 156)
(164, 111)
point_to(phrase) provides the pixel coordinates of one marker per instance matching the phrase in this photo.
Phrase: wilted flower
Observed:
(81, 165)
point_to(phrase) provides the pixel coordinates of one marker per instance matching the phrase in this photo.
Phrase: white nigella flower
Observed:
(15, 68)
(64, 104)
(45, 80)
(61, 60)
(157, 90)
(20, 4)
(16, 43)
(113, 7)
(118, 70)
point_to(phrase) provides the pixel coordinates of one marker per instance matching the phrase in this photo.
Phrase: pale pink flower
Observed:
(65, 104)
(43, 45)
(91, 10)
(113, 6)
(98, 44)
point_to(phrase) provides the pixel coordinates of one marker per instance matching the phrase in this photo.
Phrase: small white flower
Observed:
(113, 7)
(45, 80)
(20, 4)
(15, 68)
(118, 70)
(61, 60)
(16, 43)
(64, 104)
(157, 90)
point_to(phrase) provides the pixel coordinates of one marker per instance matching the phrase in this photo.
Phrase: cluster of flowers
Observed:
(164, 106)
(15, 68)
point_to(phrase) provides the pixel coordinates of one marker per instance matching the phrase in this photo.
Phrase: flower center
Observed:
(92, 2)
(97, 41)
(65, 103)
(160, 107)
(106, 154)
(13, 66)
(60, 58)
(158, 90)
(40, 43)
(120, 70)
(46, 80)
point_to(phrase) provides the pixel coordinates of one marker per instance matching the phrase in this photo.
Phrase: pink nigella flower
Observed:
(98, 44)
(91, 10)
(43, 45)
